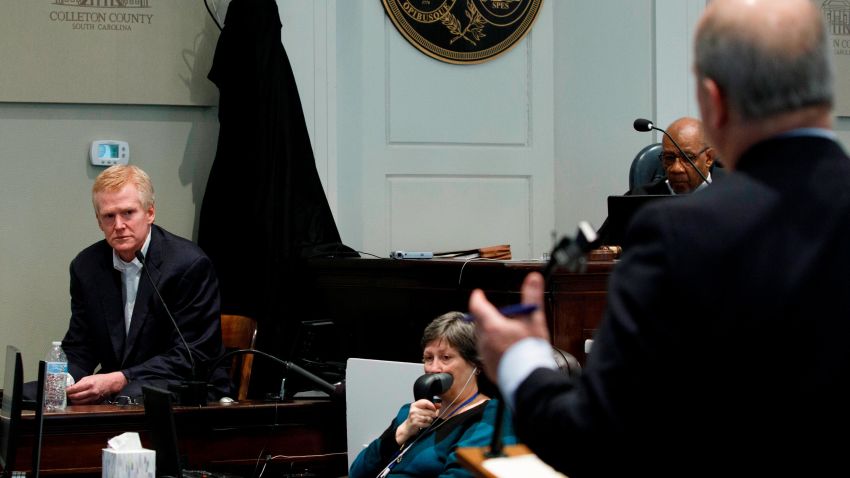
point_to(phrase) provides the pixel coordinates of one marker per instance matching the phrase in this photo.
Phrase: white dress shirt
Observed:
(131, 272)
(519, 361)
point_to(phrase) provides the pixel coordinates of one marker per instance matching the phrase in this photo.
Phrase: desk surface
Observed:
(302, 434)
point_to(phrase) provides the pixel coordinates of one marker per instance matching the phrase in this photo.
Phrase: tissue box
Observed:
(129, 463)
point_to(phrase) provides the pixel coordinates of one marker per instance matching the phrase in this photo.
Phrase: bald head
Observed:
(766, 56)
(687, 127)
(681, 175)
(784, 27)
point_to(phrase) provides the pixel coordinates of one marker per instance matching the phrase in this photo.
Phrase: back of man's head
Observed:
(767, 57)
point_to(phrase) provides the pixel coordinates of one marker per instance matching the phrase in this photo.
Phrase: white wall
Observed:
(604, 69)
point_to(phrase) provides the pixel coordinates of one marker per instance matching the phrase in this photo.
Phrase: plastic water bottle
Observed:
(55, 377)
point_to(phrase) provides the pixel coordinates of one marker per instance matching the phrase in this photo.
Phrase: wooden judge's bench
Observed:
(305, 437)
(381, 306)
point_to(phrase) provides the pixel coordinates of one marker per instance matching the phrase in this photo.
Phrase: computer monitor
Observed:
(621, 210)
(38, 406)
(160, 420)
(10, 412)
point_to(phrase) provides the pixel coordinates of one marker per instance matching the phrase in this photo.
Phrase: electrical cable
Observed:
(213, 15)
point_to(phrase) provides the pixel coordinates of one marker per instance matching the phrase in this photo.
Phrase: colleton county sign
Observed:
(140, 52)
(102, 14)
(463, 31)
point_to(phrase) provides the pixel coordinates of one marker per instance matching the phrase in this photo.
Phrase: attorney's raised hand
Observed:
(496, 333)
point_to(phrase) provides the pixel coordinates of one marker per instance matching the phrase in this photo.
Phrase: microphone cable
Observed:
(142, 259)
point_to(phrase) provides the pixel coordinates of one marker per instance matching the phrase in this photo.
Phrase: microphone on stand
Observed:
(644, 125)
(334, 390)
(191, 392)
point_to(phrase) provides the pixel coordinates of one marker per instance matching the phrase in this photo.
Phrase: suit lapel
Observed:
(145, 294)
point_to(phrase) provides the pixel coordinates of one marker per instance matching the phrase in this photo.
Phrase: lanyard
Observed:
(400, 454)
(467, 402)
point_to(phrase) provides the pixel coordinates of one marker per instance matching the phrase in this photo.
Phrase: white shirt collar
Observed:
(702, 184)
(121, 265)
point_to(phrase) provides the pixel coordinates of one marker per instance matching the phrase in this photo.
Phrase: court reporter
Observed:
(421, 440)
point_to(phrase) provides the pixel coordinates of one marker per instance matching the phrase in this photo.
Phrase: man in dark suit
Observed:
(117, 321)
(723, 347)
(681, 177)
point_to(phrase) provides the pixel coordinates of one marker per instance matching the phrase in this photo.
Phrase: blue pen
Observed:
(512, 310)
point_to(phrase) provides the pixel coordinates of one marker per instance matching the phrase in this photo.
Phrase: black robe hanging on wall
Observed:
(264, 208)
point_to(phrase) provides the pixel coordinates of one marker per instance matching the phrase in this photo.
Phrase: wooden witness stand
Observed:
(301, 434)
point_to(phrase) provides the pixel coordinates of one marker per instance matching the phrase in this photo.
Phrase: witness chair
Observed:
(239, 332)
(646, 167)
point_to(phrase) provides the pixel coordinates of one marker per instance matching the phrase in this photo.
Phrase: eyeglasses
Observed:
(123, 401)
(667, 159)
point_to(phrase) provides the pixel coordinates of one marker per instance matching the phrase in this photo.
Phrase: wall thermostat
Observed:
(107, 152)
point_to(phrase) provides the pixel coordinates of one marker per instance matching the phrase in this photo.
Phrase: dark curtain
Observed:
(264, 211)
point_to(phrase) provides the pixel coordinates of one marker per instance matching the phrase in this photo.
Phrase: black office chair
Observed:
(567, 362)
(646, 167)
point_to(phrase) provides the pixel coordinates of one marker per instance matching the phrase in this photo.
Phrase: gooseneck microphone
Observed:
(644, 125)
(334, 390)
(193, 392)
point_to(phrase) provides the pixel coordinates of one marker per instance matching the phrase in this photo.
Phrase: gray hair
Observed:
(459, 333)
(760, 80)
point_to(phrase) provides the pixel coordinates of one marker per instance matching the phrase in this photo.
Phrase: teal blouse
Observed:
(433, 454)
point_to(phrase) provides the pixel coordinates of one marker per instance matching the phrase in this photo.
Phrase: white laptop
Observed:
(374, 391)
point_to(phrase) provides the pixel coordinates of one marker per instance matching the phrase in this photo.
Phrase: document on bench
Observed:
(521, 466)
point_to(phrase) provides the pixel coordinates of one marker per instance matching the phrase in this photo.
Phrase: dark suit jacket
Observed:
(151, 352)
(723, 349)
